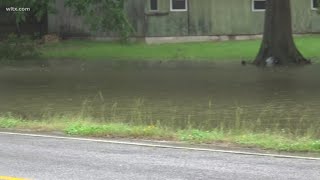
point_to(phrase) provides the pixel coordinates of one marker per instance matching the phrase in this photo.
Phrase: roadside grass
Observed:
(226, 50)
(87, 127)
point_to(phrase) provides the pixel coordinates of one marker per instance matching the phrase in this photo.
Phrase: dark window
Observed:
(153, 5)
(315, 3)
(179, 4)
(259, 5)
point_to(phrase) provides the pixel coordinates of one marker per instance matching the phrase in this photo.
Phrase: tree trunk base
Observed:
(275, 54)
(270, 59)
(278, 47)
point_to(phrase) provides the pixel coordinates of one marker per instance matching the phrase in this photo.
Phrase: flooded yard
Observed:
(180, 95)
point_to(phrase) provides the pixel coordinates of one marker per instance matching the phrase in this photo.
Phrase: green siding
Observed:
(164, 22)
(174, 24)
(305, 20)
(224, 17)
(301, 16)
(203, 18)
(221, 17)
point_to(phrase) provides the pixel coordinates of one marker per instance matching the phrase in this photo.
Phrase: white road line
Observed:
(159, 146)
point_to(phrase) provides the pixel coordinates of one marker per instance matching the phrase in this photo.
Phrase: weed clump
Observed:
(18, 47)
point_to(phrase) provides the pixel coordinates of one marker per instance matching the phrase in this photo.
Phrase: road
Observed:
(43, 158)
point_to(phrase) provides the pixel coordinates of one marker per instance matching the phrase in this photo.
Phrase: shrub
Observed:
(14, 47)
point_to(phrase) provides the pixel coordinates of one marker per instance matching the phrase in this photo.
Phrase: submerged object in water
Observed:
(270, 62)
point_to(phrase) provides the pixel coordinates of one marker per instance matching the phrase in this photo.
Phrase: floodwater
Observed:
(199, 95)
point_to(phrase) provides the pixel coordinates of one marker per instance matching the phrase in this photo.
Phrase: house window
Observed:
(179, 5)
(153, 5)
(258, 5)
(315, 4)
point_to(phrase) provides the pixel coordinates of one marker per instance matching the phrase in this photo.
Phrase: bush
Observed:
(14, 47)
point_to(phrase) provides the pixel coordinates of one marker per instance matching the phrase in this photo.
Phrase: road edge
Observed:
(154, 144)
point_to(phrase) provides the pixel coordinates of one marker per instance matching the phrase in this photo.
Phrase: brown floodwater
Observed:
(200, 95)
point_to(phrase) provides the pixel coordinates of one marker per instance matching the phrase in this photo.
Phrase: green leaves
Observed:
(38, 8)
(103, 15)
(14, 47)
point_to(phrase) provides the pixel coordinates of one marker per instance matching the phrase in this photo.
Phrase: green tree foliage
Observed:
(14, 47)
(103, 15)
(38, 8)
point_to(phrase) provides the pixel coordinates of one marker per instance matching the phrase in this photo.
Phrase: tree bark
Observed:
(278, 42)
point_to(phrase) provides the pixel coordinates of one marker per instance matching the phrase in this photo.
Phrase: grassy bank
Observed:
(228, 50)
(86, 127)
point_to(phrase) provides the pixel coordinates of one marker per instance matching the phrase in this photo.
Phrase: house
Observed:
(156, 20)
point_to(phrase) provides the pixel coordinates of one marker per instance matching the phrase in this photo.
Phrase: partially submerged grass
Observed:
(272, 126)
(118, 130)
(279, 142)
(86, 127)
(227, 50)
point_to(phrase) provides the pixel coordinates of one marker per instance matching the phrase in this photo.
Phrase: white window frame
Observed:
(179, 10)
(256, 10)
(154, 10)
(312, 7)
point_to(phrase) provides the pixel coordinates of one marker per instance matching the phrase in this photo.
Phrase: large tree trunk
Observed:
(277, 44)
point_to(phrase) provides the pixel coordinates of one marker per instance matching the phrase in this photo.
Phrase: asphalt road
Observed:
(43, 158)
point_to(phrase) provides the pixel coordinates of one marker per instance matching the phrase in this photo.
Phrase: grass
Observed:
(87, 127)
(227, 50)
